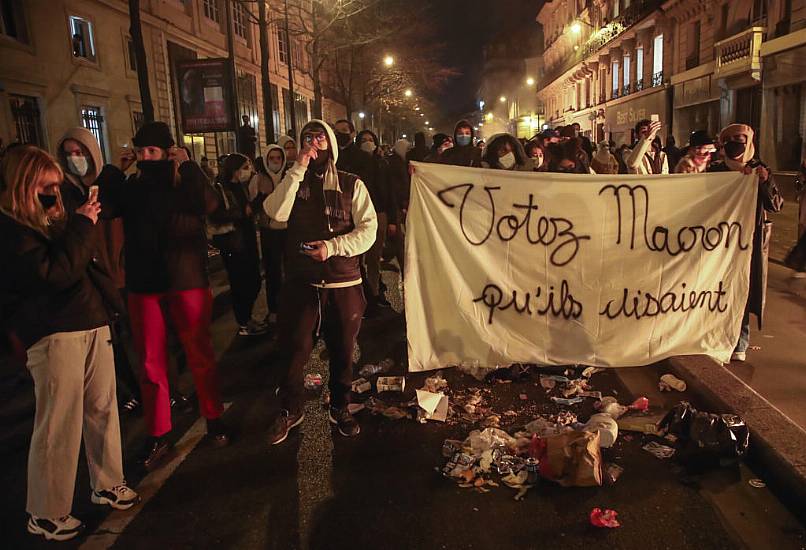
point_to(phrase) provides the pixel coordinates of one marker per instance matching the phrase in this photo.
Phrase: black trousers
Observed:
(272, 247)
(243, 270)
(304, 312)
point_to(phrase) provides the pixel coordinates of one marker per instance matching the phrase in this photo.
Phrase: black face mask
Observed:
(47, 201)
(343, 139)
(735, 149)
(319, 164)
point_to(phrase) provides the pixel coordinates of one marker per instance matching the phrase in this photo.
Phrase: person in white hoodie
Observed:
(646, 156)
(272, 232)
(289, 147)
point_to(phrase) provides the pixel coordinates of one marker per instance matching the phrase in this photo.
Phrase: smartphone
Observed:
(93, 195)
(654, 118)
(304, 246)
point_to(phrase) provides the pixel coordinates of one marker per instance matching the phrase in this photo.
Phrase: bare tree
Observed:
(136, 30)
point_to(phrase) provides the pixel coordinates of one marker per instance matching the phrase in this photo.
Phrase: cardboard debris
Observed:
(646, 424)
(391, 383)
(435, 405)
(361, 385)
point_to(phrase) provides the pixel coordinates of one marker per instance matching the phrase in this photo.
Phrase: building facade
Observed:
(696, 65)
(69, 63)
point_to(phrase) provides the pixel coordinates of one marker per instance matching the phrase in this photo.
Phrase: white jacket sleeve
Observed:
(360, 239)
(278, 205)
(636, 156)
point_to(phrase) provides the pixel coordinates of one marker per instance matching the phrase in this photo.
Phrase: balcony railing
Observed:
(615, 93)
(657, 79)
(740, 54)
(639, 84)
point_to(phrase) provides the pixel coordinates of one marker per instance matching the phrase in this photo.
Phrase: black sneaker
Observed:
(154, 451)
(348, 425)
(283, 424)
(217, 432)
(181, 403)
(131, 405)
(63, 528)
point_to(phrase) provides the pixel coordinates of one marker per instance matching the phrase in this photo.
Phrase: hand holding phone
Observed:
(93, 194)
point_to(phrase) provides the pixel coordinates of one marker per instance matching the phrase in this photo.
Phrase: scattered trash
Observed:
(640, 404)
(354, 408)
(706, 438)
(647, 424)
(547, 383)
(593, 394)
(435, 383)
(606, 426)
(361, 385)
(669, 382)
(612, 472)
(573, 459)
(474, 369)
(606, 518)
(567, 402)
(658, 450)
(370, 370)
(376, 406)
(757, 483)
(610, 405)
(313, 381)
(590, 371)
(391, 383)
(435, 405)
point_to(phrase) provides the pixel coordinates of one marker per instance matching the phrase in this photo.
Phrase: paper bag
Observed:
(573, 459)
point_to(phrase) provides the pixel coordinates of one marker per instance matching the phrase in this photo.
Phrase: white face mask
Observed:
(507, 161)
(244, 176)
(275, 166)
(78, 165)
(368, 147)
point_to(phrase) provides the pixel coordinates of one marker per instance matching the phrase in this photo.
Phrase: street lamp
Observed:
(427, 123)
(502, 99)
(530, 81)
(576, 27)
(388, 60)
(361, 115)
(408, 93)
(416, 108)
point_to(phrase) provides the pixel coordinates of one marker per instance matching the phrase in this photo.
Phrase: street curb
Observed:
(777, 444)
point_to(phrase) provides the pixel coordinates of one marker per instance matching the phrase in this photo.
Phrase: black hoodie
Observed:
(462, 155)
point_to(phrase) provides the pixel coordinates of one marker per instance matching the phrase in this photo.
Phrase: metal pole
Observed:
(265, 83)
(234, 77)
(292, 96)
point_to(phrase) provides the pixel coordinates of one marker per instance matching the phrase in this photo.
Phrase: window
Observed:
(240, 20)
(639, 66)
(25, 111)
(297, 51)
(12, 21)
(657, 57)
(211, 10)
(81, 37)
(132, 56)
(275, 106)
(93, 120)
(626, 72)
(615, 78)
(287, 112)
(693, 58)
(759, 11)
(301, 110)
(282, 46)
(247, 100)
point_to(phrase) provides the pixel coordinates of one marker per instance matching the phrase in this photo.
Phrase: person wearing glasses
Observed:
(331, 222)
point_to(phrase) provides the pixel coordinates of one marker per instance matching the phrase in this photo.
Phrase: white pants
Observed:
(74, 383)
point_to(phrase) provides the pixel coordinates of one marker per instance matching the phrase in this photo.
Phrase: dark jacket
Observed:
(165, 239)
(307, 224)
(353, 160)
(378, 185)
(243, 237)
(462, 155)
(769, 200)
(47, 285)
(400, 186)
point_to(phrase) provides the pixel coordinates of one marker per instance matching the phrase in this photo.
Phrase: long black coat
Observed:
(769, 200)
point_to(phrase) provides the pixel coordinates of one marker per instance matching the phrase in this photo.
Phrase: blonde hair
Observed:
(20, 171)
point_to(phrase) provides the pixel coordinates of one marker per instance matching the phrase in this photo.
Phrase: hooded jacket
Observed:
(642, 158)
(281, 141)
(109, 247)
(462, 155)
(262, 185)
(769, 199)
(522, 162)
(376, 179)
(332, 206)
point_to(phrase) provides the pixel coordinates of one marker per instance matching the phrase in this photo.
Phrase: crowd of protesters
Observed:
(108, 264)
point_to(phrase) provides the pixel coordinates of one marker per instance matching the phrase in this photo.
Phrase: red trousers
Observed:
(191, 313)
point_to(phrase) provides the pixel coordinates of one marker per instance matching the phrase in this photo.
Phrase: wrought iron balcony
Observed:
(657, 79)
(740, 54)
(639, 85)
(615, 93)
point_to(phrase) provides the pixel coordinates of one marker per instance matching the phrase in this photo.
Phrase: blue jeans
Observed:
(744, 334)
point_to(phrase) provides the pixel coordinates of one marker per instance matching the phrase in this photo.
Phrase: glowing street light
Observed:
(489, 117)
(430, 129)
(361, 115)
(388, 60)
(427, 123)
(576, 27)
(408, 93)
(502, 99)
(417, 108)
(422, 114)
(530, 81)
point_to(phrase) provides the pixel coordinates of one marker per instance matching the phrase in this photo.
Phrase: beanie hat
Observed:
(154, 134)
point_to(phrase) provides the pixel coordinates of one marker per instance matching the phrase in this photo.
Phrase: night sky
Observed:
(466, 26)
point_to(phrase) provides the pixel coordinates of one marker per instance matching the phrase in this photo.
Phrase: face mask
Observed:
(47, 201)
(275, 166)
(343, 139)
(244, 176)
(735, 149)
(368, 147)
(507, 161)
(321, 160)
(78, 165)
(463, 140)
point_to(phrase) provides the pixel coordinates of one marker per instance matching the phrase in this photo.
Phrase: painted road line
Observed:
(116, 522)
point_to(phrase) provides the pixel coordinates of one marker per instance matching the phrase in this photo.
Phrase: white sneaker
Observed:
(119, 498)
(738, 356)
(63, 528)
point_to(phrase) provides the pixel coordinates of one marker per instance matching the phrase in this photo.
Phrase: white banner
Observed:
(517, 267)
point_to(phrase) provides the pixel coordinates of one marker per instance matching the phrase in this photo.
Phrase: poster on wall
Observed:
(205, 95)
